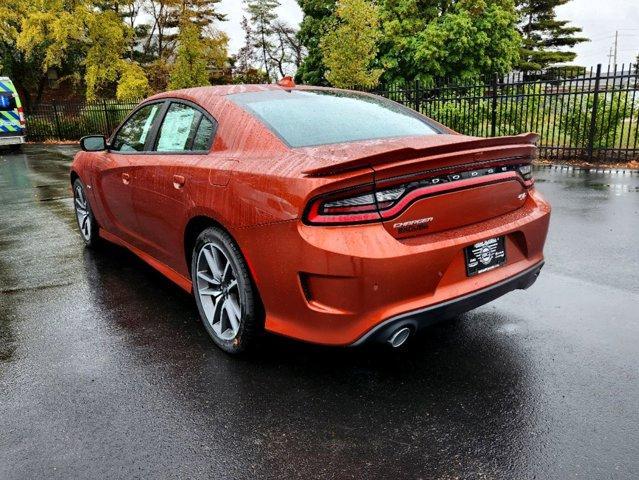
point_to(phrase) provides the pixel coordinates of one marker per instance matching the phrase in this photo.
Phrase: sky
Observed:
(289, 11)
(599, 21)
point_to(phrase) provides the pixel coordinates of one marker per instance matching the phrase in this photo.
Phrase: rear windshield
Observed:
(304, 118)
(7, 102)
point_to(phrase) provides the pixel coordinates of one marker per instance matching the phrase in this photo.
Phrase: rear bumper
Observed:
(8, 139)
(334, 285)
(418, 319)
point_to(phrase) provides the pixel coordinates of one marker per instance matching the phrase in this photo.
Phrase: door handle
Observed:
(178, 181)
(126, 178)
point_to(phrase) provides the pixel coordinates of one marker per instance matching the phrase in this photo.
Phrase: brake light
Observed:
(367, 204)
(352, 206)
(23, 123)
(525, 171)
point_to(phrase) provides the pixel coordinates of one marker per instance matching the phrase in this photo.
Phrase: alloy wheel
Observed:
(82, 212)
(218, 291)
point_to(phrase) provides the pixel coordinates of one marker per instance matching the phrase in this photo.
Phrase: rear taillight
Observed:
(23, 123)
(350, 206)
(525, 171)
(367, 204)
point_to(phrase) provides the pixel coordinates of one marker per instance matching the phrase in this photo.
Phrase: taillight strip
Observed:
(316, 212)
(314, 217)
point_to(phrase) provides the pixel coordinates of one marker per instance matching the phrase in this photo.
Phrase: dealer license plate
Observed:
(485, 255)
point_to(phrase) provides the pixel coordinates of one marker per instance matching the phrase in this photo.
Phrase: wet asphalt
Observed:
(106, 373)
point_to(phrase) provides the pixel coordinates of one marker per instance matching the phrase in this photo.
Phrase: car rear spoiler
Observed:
(407, 153)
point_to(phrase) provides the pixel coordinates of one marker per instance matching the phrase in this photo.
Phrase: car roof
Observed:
(218, 91)
(202, 94)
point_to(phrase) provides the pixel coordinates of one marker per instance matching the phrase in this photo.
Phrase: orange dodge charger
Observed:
(325, 215)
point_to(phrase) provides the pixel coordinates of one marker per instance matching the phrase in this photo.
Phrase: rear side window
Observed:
(178, 128)
(134, 132)
(7, 102)
(184, 129)
(304, 118)
(204, 135)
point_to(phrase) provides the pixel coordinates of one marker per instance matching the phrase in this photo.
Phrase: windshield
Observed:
(304, 118)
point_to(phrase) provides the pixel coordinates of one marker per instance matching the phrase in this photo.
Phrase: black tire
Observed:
(88, 231)
(250, 315)
(11, 149)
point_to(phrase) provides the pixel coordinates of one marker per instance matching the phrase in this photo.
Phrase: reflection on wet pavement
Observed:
(105, 372)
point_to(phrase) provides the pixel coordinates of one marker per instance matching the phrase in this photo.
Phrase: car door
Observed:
(164, 179)
(115, 171)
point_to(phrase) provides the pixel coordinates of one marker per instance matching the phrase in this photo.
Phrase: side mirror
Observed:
(93, 143)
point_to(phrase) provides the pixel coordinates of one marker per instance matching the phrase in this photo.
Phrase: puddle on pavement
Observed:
(616, 181)
(616, 187)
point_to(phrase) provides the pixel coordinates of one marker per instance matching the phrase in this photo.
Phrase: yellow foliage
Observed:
(59, 29)
(133, 83)
(350, 48)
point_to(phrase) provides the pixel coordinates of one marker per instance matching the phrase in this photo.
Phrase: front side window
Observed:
(184, 129)
(304, 118)
(133, 134)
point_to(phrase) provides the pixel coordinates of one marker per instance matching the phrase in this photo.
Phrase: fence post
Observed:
(593, 115)
(493, 127)
(417, 96)
(57, 120)
(106, 118)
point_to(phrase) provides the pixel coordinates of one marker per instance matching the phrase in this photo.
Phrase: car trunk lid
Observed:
(463, 184)
(453, 182)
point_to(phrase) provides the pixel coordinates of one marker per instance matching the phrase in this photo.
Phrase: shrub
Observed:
(612, 109)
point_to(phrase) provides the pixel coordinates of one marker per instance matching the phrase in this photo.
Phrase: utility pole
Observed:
(615, 55)
(610, 55)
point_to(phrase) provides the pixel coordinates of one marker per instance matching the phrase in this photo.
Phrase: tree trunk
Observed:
(268, 74)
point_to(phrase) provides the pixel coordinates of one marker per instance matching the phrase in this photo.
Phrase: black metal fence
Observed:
(71, 121)
(593, 115)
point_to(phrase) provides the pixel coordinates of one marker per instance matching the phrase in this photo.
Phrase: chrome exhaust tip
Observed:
(398, 338)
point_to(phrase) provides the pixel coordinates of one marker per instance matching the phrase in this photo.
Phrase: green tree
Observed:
(190, 67)
(286, 56)
(472, 38)
(402, 21)
(428, 39)
(349, 49)
(546, 40)
(262, 16)
(318, 16)
(202, 13)
(275, 48)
